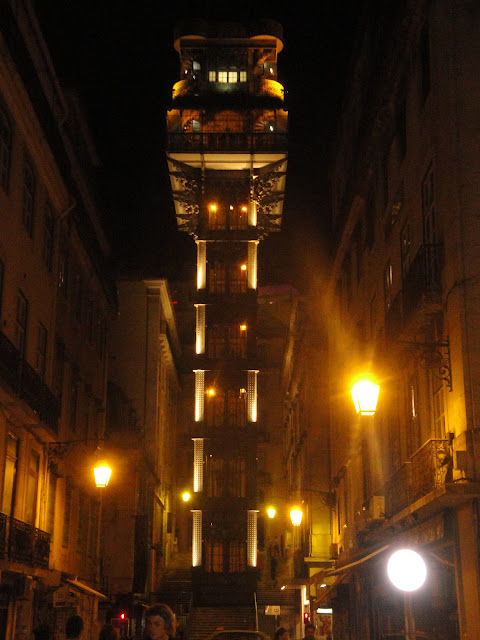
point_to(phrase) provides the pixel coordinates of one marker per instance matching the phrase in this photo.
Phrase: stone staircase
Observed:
(205, 620)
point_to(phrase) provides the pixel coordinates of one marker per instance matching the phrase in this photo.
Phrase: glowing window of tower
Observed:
(217, 218)
(232, 76)
(243, 76)
(222, 76)
(252, 264)
(197, 538)
(199, 395)
(201, 264)
(200, 329)
(252, 396)
(197, 464)
(252, 538)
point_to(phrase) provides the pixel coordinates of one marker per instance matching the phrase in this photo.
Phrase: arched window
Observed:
(5, 147)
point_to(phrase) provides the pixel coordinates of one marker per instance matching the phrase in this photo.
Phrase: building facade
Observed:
(403, 298)
(55, 304)
(227, 157)
(139, 527)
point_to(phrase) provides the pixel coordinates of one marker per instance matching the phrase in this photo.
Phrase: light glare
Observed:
(407, 570)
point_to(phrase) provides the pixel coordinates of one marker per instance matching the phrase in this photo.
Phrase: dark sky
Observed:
(120, 58)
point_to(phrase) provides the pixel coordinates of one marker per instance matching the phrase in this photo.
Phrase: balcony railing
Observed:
(227, 141)
(23, 542)
(422, 473)
(27, 384)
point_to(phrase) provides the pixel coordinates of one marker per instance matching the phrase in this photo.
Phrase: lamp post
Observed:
(407, 572)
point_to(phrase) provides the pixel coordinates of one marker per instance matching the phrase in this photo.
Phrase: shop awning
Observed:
(338, 570)
(85, 588)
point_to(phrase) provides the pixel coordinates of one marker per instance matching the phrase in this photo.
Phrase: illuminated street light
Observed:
(271, 512)
(102, 473)
(296, 515)
(186, 496)
(407, 570)
(365, 395)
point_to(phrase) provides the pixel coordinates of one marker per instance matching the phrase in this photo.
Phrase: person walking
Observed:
(281, 634)
(160, 622)
(309, 631)
(74, 628)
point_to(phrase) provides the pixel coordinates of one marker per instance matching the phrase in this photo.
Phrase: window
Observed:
(238, 278)
(10, 475)
(439, 425)
(216, 277)
(223, 76)
(52, 496)
(238, 217)
(405, 249)
(236, 479)
(214, 407)
(243, 76)
(414, 441)
(67, 514)
(214, 556)
(236, 408)
(82, 524)
(29, 187)
(214, 476)
(32, 487)
(21, 323)
(236, 556)
(2, 269)
(425, 77)
(41, 357)
(212, 76)
(217, 218)
(58, 367)
(232, 76)
(5, 148)
(48, 226)
(387, 283)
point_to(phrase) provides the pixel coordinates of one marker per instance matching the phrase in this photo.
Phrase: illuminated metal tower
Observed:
(227, 157)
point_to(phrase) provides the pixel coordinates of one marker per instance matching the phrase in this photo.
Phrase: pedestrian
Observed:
(160, 622)
(74, 628)
(42, 632)
(108, 632)
(281, 634)
(309, 631)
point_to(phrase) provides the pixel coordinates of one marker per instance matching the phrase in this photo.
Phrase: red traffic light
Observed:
(306, 618)
(123, 616)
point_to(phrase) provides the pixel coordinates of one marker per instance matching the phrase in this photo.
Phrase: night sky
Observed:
(120, 58)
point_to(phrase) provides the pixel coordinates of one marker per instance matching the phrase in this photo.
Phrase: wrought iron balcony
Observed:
(427, 469)
(27, 384)
(22, 542)
(227, 141)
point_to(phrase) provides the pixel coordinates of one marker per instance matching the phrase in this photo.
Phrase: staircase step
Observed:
(205, 620)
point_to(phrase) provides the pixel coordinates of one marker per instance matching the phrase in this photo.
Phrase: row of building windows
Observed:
(233, 217)
(225, 407)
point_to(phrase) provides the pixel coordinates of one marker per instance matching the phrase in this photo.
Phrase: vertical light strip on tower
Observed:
(199, 395)
(252, 395)
(252, 264)
(252, 538)
(197, 464)
(200, 329)
(197, 538)
(201, 264)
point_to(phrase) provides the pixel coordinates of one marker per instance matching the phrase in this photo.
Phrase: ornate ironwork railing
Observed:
(25, 543)
(427, 469)
(27, 384)
(227, 141)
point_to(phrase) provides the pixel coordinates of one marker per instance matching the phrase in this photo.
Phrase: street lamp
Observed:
(407, 572)
(102, 473)
(271, 512)
(365, 395)
(296, 515)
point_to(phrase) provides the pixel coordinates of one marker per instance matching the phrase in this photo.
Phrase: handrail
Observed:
(256, 610)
